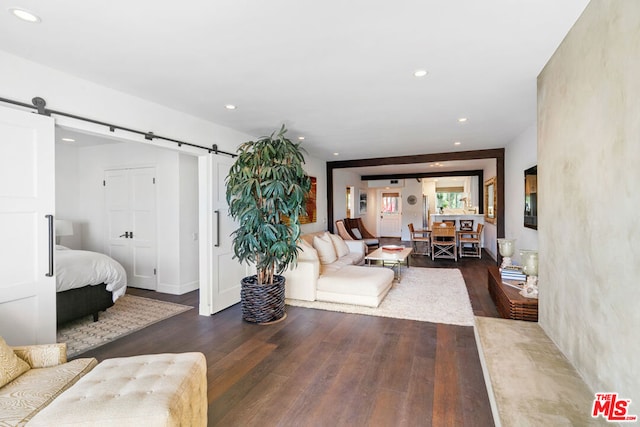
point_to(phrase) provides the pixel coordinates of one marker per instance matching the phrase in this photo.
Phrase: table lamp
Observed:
(64, 227)
(530, 268)
(506, 248)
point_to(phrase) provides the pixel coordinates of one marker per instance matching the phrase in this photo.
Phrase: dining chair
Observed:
(420, 236)
(465, 226)
(443, 241)
(470, 243)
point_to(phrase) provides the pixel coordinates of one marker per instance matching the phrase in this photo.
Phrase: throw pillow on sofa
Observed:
(341, 247)
(356, 233)
(11, 366)
(325, 248)
(307, 253)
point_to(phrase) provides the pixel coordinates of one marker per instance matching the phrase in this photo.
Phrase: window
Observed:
(390, 202)
(450, 198)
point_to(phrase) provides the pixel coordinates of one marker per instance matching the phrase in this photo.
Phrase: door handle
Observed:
(217, 212)
(126, 235)
(50, 223)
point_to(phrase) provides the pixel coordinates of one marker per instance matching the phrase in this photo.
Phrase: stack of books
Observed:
(513, 272)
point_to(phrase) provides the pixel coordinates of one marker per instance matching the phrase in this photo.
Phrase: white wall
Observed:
(74, 95)
(188, 213)
(67, 182)
(520, 154)
(341, 180)
(588, 175)
(411, 213)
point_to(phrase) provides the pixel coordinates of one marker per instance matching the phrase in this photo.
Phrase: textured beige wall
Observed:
(589, 183)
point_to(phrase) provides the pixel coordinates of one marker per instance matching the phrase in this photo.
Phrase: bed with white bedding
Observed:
(87, 283)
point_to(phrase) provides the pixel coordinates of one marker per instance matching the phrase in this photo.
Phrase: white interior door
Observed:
(130, 200)
(218, 268)
(27, 195)
(390, 218)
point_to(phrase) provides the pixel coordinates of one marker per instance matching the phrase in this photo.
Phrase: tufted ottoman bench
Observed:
(149, 390)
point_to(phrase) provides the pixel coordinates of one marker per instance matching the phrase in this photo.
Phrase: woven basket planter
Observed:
(262, 303)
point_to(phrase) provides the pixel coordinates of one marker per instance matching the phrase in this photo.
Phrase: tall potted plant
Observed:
(266, 184)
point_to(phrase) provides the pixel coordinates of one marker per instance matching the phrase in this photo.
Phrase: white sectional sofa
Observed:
(331, 269)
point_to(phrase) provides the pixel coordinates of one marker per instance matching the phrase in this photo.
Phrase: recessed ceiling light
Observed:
(25, 15)
(336, 154)
(420, 73)
(457, 143)
(301, 138)
(230, 107)
(68, 139)
(462, 119)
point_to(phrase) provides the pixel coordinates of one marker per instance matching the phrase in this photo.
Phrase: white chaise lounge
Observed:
(331, 269)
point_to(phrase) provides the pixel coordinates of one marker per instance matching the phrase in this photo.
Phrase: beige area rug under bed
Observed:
(436, 295)
(129, 314)
(530, 382)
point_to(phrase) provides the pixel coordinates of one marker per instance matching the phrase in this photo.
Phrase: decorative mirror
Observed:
(490, 200)
(531, 198)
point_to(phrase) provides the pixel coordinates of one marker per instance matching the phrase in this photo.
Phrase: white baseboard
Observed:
(178, 289)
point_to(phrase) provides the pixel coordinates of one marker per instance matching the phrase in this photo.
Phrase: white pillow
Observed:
(356, 232)
(326, 251)
(12, 366)
(307, 253)
(341, 247)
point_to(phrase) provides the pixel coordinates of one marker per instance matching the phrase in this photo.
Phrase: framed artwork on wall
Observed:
(362, 201)
(310, 205)
(490, 200)
(531, 198)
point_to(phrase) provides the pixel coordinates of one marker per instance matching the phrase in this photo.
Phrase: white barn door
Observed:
(218, 267)
(27, 197)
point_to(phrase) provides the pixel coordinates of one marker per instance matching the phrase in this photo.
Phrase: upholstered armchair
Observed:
(38, 374)
(357, 231)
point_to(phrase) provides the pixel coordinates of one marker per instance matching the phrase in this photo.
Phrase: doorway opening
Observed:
(390, 208)
(136, 202)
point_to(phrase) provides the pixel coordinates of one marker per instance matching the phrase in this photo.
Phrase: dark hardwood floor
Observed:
(321, 368)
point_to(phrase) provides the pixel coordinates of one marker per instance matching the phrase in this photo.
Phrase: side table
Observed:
(509, 302)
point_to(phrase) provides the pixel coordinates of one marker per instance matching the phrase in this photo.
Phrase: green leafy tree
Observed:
(266, 190)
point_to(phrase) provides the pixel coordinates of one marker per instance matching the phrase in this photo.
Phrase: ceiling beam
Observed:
(421, 175)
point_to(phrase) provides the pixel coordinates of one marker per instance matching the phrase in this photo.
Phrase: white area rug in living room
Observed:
(436, 295)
